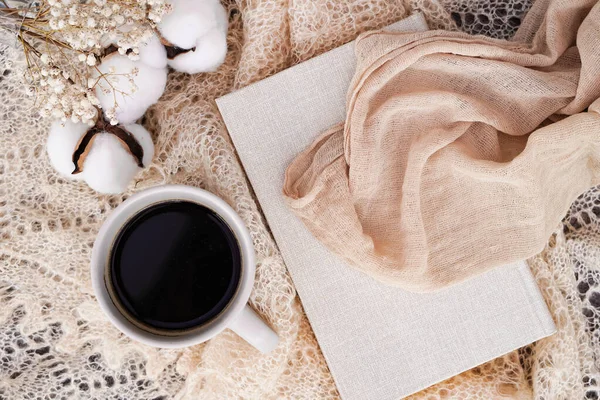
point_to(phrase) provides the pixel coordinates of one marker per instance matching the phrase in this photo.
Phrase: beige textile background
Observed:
(54, 341)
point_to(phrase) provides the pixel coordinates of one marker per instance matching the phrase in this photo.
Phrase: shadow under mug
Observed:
(237, 315)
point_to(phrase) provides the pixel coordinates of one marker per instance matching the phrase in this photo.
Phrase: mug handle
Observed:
(250, 327)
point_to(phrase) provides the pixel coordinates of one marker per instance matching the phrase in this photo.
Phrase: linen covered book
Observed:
(380, 342)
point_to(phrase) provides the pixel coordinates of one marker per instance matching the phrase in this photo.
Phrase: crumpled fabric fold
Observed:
(458, 153)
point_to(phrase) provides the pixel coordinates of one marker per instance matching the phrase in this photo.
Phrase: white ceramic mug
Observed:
(237, 315)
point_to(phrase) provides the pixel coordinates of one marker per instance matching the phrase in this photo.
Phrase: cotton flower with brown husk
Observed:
(195, 34)
(107, 157)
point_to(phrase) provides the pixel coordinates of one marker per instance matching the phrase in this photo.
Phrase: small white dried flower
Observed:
(59, 87)
(58, 113)
(91, 60)
(93, 99)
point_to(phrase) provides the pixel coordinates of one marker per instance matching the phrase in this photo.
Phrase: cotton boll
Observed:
(153, 53)
(189, 20)
(132, 102)
(108, 168)
(209, 53)
(62, 141)
(210, 48)
(144, 139)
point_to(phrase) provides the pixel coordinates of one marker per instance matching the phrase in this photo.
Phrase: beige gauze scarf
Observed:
(459, 153)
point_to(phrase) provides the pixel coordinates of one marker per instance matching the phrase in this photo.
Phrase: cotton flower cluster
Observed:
(122, 50)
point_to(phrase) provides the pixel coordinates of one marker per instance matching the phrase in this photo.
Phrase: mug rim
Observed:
(123, 213)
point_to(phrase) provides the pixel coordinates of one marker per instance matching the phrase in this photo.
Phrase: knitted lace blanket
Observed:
(54, 340)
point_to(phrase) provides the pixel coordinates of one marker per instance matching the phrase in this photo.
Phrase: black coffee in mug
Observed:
(173, 267)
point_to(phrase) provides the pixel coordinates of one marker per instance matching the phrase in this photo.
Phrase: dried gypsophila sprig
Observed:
(92, 25)
(63, 41)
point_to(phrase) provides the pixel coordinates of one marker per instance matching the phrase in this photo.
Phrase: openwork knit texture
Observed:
(54, 340)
